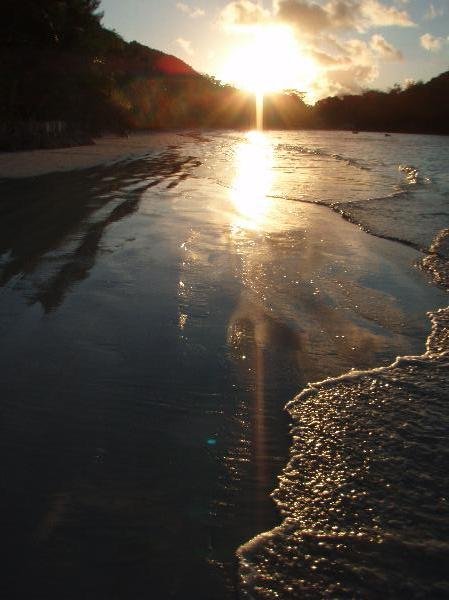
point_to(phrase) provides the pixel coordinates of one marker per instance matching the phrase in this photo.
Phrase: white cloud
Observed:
(431, 43)
(433, 13)
(326, 60)
(384, 49)
(379, 14)
(350, 80)
(186, 45)
(322, 28)
(312, 18)
(347, 68)
(243, 12)
(308, 17)
(192, 12)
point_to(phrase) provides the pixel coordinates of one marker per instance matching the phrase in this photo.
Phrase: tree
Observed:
(49, 24)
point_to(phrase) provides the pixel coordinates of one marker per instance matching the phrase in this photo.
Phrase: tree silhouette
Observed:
(59, 63)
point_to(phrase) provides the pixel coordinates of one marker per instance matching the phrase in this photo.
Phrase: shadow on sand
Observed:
(38, 226)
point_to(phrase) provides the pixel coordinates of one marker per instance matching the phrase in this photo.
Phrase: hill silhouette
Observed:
(59, 65)
(419, 108)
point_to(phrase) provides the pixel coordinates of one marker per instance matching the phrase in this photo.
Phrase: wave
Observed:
(367, 215)
(352, 162)
(437, 261)
(363, 496)
(387, 203)
(412, 175)
(344, 210)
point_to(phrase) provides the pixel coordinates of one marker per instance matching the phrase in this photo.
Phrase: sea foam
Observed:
(364, 498)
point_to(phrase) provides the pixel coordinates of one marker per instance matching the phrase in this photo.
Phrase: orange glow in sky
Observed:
(270, 60)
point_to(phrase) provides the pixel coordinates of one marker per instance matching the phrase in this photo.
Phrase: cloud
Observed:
(350, 80)
(326, 60)
(431, 43)
(311, 18)
(346, 68)
(243, 12)
(352, 71)
(383, 49)
(378, 14)
(308, 17)
(186, 45)
(192, 12)
(323, 27)
(433, 13)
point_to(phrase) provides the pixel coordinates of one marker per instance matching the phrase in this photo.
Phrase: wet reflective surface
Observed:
(156, 315)
(364, 495)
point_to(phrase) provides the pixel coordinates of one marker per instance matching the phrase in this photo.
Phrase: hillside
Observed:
(58, 64)
(419, 108)
(60, 68)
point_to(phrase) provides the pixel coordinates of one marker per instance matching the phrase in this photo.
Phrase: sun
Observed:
(271, 60)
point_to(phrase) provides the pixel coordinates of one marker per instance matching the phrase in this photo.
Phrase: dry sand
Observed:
(38, 162)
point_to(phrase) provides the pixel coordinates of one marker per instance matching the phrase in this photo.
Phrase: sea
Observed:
(224, 371)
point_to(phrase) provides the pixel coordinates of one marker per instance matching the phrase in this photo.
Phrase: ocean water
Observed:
(364, 496)
(157, 316)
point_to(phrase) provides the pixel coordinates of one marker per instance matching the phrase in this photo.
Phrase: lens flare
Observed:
(270, 61)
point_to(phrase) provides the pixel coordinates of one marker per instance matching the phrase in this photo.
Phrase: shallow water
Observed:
(157, 314)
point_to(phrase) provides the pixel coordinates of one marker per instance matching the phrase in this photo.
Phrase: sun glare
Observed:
(253, 181)
(270, 61)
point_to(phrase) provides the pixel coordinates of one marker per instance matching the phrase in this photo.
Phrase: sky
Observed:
(321, 47)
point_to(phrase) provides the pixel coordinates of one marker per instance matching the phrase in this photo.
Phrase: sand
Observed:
(149, 343)
(106, 149)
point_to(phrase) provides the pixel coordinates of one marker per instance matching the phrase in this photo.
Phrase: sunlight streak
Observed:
(253, 181)
(259, 111)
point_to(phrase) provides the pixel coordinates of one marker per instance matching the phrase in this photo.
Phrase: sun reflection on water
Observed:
(255, 215)
(253, 182)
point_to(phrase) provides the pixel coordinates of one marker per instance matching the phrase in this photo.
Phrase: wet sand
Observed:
(150, 340)
(105, 150)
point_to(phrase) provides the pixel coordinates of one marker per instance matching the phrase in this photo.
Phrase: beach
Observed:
(163, 298)
(32, 163)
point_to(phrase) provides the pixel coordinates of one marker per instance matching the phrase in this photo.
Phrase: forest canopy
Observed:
(60, 63)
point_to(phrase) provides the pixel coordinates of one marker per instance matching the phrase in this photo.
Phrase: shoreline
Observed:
(122, 270)
(20, 164)
(33, 163)
(348, 389)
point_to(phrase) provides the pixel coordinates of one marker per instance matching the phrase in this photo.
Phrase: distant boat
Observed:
(354, 131)
(387, 134)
